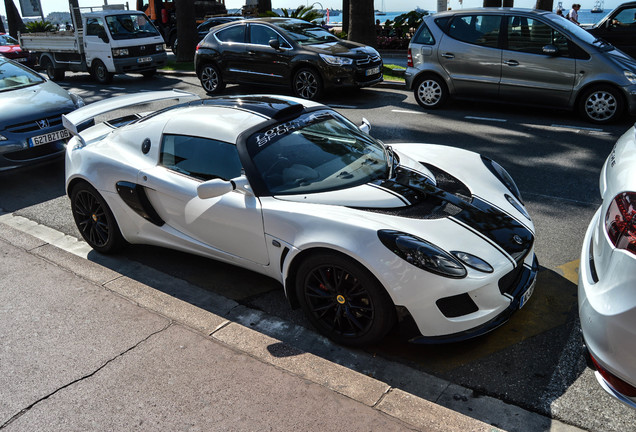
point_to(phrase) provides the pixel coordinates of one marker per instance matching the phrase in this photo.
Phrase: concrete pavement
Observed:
(89, 342)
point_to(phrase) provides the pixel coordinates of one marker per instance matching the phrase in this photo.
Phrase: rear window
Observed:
(480, 30)
(234, 34)
(424, 36)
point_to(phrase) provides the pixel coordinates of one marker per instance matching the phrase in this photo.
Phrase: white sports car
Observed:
(607, 276)
(355, 230)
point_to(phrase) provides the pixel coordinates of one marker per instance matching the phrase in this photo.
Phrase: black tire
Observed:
(175, 48)
(149, 73)
(100, 72)
(343, 300)
(95, 221)
(601, 104)
(211, 79)
(172, 40)
(51, 72)
(307, 84)
(430, 92)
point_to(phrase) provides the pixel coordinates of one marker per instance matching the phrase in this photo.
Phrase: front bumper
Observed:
(132, 64)
(524, 283)
(352, 76)
(607, 310)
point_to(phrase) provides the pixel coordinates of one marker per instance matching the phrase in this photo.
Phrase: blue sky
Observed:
(391, 5)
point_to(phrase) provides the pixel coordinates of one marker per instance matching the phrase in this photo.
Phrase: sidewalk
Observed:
(85, 347)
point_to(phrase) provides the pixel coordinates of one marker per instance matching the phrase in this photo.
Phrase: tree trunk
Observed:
(186, 30)
(508, 3)
(264, 6)
(2, 30)
(546, 5)
(14, 20)
(345, 16)
(361, 27)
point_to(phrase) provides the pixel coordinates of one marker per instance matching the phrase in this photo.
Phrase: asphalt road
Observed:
(534, 361)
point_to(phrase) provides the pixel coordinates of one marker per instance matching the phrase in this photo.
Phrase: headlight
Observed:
(160, 47)
(631, 76)
(422, 254)
(78, 101)
(120, 52)
(503, 176)
(473, 261)
(516, 204)
(3, 138)
(335, 60)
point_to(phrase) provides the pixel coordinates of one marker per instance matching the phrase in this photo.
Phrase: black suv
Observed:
(284, 52)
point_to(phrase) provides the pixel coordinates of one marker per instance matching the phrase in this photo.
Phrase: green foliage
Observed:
(409, 21)
(39, 26)
(268, 14)
(307, 13)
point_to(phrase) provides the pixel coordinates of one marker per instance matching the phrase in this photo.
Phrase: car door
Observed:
(232, 224)
(529, 74)
(96, 43)
(470, 54)
(266, 64)
(620, 30)
(231, 46)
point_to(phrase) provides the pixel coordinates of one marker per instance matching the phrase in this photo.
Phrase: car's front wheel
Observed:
(343, 300)
(211, 79)
(431, 92)
(95, 220)
(100, 72)
(307, 84)
(601, 104)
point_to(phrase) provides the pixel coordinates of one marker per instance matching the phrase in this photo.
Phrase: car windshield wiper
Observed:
(390, 154)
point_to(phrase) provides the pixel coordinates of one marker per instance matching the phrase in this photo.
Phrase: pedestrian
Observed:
(573, 15)
(559, 12)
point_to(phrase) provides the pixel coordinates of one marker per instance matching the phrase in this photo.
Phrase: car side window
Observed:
(94, 27)
(424, 36)
(201, 158)
(261, 35)
(480, 30)
(234, 34)
(625, 20)
(530, 35)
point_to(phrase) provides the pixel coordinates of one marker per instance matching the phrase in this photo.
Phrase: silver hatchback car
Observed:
(519, 56)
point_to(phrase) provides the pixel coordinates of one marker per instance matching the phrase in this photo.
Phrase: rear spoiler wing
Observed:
(71, 120)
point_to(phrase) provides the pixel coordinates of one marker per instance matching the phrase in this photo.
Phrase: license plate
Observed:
(49, 137)
(372, 71)
(526, 295)
(144, 59)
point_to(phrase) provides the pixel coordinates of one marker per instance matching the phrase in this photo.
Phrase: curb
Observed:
(354, 374)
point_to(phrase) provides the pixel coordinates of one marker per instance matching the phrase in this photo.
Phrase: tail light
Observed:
(617, 384)
(620, 222)
(198, 46)
(409, 58)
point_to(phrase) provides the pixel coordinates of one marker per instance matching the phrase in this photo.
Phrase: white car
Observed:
(354, 230)
(607, 276)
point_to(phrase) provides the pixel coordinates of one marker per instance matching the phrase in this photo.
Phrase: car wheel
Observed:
(172, 41)
(431, 92)
(211, 79)
(149, 73)
(343, 300)
(601, 104)
(175, 48)
(95, 221)
(100, 72)
(51, 72)
(307, 84)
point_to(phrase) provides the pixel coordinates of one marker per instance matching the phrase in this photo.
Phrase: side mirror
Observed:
(550, 50)
(274, 43)
(219, 187)
(365, 126)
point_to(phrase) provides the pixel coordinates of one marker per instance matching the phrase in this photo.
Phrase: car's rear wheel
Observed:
(431, 92)
(211, 79)
(94, 219)
(307, 84)
(100, 72)
(601, 104)
(53, 73)
(343, 300)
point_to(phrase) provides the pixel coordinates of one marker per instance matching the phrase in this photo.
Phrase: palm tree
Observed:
(307, 13)
(361, 27)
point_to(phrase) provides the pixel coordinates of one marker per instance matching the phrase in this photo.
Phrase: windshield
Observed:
(7, 40)
(316, 152)
(307, 33)
(130, 26)
(13, 76)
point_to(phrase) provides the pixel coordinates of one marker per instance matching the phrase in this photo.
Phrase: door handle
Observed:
(512, 62)
(448, 55)
(251, 52)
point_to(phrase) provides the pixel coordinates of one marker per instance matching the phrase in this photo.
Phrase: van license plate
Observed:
(144, 59)
(49, 137)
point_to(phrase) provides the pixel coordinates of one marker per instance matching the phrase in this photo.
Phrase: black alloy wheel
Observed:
(211, 79)
(307, 84)
(95, 220)
(343, 300)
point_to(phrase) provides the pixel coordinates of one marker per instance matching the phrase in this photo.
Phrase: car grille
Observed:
(141, 50)
(369, 60)
(33, 125)
(509, 282)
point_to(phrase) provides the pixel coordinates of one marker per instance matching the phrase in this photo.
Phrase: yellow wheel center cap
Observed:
(340, 299)
(94, 217)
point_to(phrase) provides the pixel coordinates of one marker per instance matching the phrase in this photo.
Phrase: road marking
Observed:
(408, 112)
(571, 271)
(486, 119)
(577, 127)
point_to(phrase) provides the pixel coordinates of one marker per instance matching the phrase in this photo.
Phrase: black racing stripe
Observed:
(390, 191)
